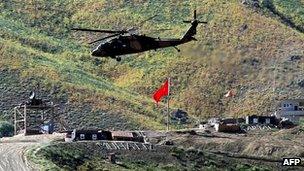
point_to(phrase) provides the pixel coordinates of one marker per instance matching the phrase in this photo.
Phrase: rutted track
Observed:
(12, 156)
(12, 151)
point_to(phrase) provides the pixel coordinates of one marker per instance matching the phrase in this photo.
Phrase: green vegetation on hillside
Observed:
(91, 156)
(240, 49)
(64, 63)
(290, 13)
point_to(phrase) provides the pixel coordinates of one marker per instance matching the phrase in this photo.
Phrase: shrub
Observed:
(6, 129)
(267, 3)
(301, 123)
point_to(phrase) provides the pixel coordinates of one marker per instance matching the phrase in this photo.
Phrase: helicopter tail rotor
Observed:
(195, 19)
(192, 30)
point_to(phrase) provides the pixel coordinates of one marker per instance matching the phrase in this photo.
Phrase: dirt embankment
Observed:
(265, 146)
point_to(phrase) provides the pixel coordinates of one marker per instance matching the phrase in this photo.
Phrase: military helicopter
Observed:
(131, 43)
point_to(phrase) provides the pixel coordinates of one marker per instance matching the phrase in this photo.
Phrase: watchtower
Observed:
(36, 117)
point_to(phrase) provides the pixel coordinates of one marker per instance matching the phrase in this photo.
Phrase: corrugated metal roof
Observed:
(122, 134)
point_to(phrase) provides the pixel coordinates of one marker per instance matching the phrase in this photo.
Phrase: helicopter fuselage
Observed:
(127, 44)
(133, 44)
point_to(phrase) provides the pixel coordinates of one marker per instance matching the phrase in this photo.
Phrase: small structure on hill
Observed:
(48, 127)
(213, 121)
(94, 135)
(285, 123)
(232, 120)
(254, 119)
(83, 135)
(122, 136)
(229, 125)
(126, 136)
(292, 110)
(180, 116)
(229, 128)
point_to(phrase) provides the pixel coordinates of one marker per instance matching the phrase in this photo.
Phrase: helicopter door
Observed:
(134, 44)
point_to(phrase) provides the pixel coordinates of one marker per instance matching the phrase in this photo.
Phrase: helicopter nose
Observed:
(99, 53)
(95, 53)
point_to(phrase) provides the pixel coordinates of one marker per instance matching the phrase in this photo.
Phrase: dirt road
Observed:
(12, 151)
(12, 158)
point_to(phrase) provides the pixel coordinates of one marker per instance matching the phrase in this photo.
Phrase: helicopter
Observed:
(126, 42)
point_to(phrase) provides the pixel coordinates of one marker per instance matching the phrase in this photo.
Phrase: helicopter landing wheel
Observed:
(118, 59)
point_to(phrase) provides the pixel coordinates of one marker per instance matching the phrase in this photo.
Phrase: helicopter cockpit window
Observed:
(106, 44)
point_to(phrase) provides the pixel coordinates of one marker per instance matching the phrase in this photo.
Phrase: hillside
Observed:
(250, 50)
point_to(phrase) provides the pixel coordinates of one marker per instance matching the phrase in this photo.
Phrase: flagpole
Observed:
(169, 82)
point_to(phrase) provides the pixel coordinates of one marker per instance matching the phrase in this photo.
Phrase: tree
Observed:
(6, 129)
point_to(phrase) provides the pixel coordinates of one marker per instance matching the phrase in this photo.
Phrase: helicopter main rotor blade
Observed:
(162, 29)
(101, 31)
(148, 19)
(157, 30)
(203, 22)
(200, 22)
(132, 29)
(195, 19)
(114, 35)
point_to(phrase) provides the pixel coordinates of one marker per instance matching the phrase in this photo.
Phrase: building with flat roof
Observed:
(254, 119)
(292, 109)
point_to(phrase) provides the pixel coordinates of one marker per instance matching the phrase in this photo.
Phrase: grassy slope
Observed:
(293, 10)
(62, 63)
(91, 156)
(37, 43)
(219, 61)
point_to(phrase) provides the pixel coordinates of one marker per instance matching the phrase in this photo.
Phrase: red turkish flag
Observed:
(161, 92)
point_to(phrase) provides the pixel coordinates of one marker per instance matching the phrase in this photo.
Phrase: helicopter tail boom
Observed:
(192, 30)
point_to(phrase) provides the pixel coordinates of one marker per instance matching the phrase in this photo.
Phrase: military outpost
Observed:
(287, 114)
(40, 116)
(151, 85)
